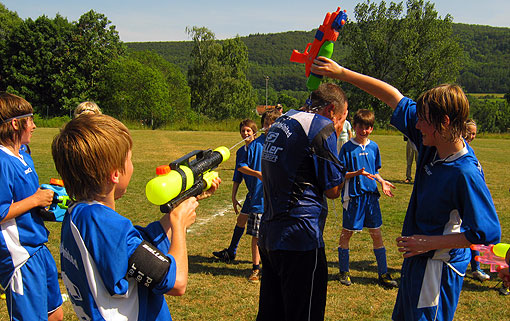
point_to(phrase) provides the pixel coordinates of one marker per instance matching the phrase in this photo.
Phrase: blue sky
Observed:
(160, 20)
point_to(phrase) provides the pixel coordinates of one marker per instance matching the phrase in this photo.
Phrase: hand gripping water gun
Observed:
(492, 254)
(322, 45)
(184, 178)
(55, 212)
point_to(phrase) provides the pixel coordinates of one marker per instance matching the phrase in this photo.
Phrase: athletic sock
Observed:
(256, 266)
(343, 259)
(236, 237)
(380, 256)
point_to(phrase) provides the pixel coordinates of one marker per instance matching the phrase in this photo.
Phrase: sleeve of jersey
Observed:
(404, 118)
(155, 234)
(245, 157)
(378, 163)
(479, 217)
(6, 196)
(238, 176)
(329, 171)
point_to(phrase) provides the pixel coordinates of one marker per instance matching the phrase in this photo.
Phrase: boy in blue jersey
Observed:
(113, 270)
(450, 207)
(248, 164)
(300, 168)
(361, 158)
(248, 130)
(28, 272)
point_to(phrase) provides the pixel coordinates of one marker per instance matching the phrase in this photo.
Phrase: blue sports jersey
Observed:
(299, 163)
(353, 157)
(449, 196)
(254, 202)
(22, 236)
(240, 154)
(96, 243)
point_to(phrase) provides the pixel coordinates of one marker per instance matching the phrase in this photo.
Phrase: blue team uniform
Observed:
(299, 163)
(254, 202)
(449, 196)
(360, 196)
(22, 240)
(96, 244)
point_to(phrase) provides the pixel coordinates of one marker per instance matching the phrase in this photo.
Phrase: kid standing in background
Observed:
(28, 272)
(113, 270)
(478, 273)
(362, 160)
(450, 207)
(249, 166)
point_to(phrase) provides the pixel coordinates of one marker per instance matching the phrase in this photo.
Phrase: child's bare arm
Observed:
(248, 171)
(41, 198)
(386, 186)
(375, 87)
(235, 203)
(418, 244)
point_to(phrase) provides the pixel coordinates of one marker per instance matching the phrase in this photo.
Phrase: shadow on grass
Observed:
(362, 266)
(210, 265)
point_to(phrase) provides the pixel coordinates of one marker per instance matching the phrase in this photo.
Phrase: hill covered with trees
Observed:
(485, 68)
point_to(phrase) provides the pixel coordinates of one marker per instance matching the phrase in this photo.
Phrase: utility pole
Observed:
(267, 79)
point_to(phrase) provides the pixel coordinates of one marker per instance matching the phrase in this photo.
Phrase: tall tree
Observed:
(413, 51)
(217, 76)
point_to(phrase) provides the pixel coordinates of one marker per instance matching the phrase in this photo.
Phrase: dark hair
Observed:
(445, 100)
(270, 115)
(364, 117)
(248, 123)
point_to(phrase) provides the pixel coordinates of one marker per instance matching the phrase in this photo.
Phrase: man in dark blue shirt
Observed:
(300, 169)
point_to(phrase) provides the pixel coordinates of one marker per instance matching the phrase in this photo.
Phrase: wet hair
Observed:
(12, 106)
(86, 152)
(326, 94)
(445, 100)
(364, 117)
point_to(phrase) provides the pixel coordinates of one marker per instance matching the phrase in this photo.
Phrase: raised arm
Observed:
(375, 87)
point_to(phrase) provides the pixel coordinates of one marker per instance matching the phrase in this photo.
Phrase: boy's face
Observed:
(124, 178)
(471, 133)
(247, 134)
(362, 131)
(427, 129)
(26, 136)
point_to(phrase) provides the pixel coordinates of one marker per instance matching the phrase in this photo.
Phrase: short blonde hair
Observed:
(87, 107)
(87, 150)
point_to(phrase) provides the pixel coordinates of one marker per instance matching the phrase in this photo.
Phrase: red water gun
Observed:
(492, 254)
(322, 45)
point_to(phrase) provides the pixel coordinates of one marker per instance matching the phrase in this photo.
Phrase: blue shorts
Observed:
(34, 290)
(252, 228)
(362, 211)
(429, 290)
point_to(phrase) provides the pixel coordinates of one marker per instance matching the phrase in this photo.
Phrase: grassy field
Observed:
(219, 291)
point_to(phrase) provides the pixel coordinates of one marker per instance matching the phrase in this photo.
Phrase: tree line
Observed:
(56, 64)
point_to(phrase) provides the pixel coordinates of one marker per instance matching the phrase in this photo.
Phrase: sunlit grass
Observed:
(219, 291)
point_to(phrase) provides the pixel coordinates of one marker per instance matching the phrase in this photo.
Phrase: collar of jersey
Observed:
(452, 157)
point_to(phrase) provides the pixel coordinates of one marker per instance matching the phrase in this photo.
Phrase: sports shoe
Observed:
(2, 295)
(254, 276)
(386, 281)
(481, 276)
(344, 278)
(224, 256)
(504, 290)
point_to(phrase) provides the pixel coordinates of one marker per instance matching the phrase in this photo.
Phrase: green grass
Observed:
(219, 291)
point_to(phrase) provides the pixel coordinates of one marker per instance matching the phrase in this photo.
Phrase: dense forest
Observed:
(485, 69)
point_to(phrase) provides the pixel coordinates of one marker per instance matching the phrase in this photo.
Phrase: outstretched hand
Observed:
(362, 172)
(413, 245)
(386, 187)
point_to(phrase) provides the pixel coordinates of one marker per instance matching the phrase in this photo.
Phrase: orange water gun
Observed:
(494, 255)
(322, 45)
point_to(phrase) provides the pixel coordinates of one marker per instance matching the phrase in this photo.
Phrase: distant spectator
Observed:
(87, 107)
(345, 135)
(411, 153)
